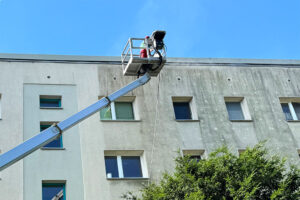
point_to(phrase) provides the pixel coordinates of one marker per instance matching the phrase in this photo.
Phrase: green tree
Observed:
(223, 176)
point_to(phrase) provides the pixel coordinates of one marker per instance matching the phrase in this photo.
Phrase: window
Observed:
(195, 154)
(50, 101)
(125, 164)
(57, 143)
(241, 151)
(118, 111)
(195, 157)
(184, 108)
(235, 111)
(237, 108)
(123, 167)
(291, 108)
(53, 191)
(123, 109)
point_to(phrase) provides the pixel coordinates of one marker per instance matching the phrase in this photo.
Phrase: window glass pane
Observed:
(111, 166)
(49, 191)
(57, 143)
(131, 166)
(182, 110)
(50, 103)
(297, 109)
(44, 126)
(124, 110)
(235, 111)
(105, 113)
(286, 111)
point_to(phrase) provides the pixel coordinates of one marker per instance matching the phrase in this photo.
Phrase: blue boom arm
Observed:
(53, 132)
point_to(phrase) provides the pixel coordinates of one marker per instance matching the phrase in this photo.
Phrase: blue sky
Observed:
(195, 28)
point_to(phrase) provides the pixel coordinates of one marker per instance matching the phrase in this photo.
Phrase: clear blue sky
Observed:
(195, 28)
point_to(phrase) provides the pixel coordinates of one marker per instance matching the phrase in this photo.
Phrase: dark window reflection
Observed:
(131, 166)
(297, 109)
(111, 166)
(50, 103)
(182, 110)
(286, 111)
(53, 191)
(57, 143)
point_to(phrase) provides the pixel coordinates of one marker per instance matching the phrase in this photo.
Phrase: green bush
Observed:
(252, 175)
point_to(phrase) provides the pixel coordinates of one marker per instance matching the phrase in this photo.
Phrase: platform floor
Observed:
(135, 63)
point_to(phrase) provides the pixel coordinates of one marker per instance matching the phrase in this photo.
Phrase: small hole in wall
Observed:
(229, 79)
(48, 77)
(178, 78)
(115, 78)
(289, 80)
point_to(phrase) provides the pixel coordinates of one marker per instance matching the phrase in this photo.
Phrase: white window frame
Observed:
(192, 104)
(244, 107)
(290, 101)
(119, 154)
(132, 100)
(292, 110)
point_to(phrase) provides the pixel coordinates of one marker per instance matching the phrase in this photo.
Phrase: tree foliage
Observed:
(224, 176)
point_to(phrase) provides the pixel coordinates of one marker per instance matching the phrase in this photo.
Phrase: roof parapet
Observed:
(239, 62)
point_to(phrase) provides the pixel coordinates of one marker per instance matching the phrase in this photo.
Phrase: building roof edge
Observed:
(117, 60)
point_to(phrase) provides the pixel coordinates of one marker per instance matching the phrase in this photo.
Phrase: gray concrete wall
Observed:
(157, 133)
(11, 127)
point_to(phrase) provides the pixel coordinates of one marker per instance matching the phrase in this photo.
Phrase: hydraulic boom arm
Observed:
(54, 131)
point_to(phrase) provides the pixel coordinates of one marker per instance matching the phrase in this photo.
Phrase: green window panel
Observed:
(105, 113)
(124, 111)
(118, 111)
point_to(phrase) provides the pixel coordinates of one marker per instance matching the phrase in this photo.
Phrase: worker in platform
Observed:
(143, 52)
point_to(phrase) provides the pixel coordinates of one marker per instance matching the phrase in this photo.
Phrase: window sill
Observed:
(121, 179)
(52, 148)
(241, 120)
(119, 120)
(293, 120)
(52, 108)
(187, 120)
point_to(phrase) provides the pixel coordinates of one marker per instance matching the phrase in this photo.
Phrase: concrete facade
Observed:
(154, 135)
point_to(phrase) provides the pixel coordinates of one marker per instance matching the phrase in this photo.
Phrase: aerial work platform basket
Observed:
(144, 54)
